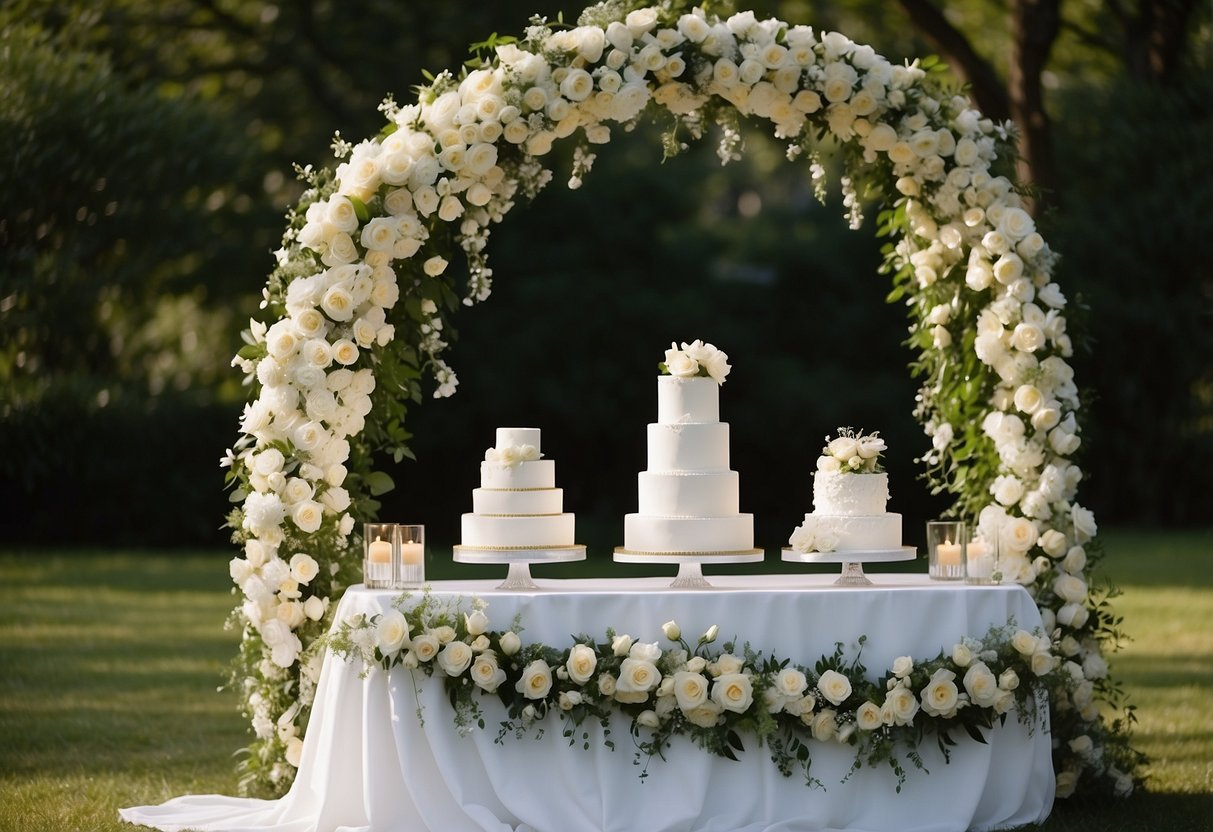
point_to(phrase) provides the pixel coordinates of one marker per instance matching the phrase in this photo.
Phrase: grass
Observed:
(109, 665)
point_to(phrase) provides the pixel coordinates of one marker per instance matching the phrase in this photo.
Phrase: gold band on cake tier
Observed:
(553, 514)
(518, 548)
(619, 550)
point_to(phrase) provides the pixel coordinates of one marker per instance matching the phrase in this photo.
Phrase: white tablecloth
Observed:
(370, 764)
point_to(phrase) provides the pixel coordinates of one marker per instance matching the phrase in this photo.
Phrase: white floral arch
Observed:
(357, 306)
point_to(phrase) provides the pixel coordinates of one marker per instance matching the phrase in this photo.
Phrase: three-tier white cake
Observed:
(688, 496)
(517, 505)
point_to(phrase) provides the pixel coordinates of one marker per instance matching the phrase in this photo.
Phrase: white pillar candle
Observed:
(947, 553)
(411, 553)
(380, 551)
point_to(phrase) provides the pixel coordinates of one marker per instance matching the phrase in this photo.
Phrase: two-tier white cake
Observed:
(850, 496)
(688, 496)
(517, 505)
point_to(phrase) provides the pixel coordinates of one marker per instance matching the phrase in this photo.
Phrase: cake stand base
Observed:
(690, 564)
(853, 561)
(518, 578)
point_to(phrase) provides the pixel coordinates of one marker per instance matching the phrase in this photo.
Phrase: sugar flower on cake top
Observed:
(511, 455)
(852, 452)
(695, 359)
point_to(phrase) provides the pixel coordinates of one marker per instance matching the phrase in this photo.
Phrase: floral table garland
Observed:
(716, 696)
(361, 297)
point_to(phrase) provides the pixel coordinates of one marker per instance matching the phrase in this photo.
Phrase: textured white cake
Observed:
(850, 495)
(518, 505)
(688, 497)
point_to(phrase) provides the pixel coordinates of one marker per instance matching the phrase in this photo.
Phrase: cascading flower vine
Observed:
(362, 295)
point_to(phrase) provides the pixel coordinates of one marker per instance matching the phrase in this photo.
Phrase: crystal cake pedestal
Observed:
(852, 561)
(690, 564)
(519, 561)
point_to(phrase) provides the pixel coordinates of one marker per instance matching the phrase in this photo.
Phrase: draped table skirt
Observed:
(371, 764)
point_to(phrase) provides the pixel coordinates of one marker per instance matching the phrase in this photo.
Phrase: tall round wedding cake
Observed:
(688, 496)
(850, 494)
(517, 505)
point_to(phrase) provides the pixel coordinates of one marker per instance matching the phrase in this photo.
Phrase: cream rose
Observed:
(425, 647)
(903, 666)
(690, 689)
(671, 630)
(733, 692)
(902, 704)
(621, 645)
(824, 726)
(581, 663)
(981, 685)
(486, 674)
(790, 682)
(475, 622)
(637, 676)
(391, 632)
(868, 717)
(304, 567)
(455, 658)
(510, 643)
(941, 696)
(536, 680)
(834, 686)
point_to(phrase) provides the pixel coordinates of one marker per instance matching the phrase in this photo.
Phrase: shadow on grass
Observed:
(1143, 812)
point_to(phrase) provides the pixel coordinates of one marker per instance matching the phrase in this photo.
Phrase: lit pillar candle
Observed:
(947, 553)
(411, 553)
(380, 551)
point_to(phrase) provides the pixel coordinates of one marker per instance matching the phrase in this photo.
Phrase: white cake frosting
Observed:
(517, 505)
(849, 500)
(688, 496)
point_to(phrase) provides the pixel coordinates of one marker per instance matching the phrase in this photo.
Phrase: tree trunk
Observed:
(1034, 28)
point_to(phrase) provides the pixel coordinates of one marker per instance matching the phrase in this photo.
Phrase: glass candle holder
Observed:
(946, 544)
(410, 567)
(380, 548)
(981, 559)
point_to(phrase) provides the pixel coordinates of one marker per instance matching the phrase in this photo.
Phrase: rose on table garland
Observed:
(360, 302)
(716, 696)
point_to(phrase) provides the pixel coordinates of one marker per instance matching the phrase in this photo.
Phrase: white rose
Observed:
(536, 680)
(475, 622)
(294, 751)
(510, 643)
(962, 656)
(941, 696)
(710, 634)
(648, 719)
(1084, 524)
(1043, 663)
(1018, 534)
(425, 647)
(824, 726)
(726, 663)
(307, 515)
(486, 675)
(733, 692)
(313, 608)
(680, 364)
(434, 266)
(790, 682)
(637, 676)
(671, 630)
(1024, 642)
(621, 645)
(1075, 560)
(1053, 542)
(581, 663)
(392, 632)
(903, 705)
(834, 686)
(455, 658)
(690, 689)
(1070, 588)
(304, 568)
(981, 685)
(903, 666)
(868, 717)
(1007, 489)
(705, 716)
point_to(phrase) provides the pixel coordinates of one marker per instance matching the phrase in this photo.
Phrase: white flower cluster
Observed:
(852, 452)
(460, 155)
(511, 455)
(696, 359)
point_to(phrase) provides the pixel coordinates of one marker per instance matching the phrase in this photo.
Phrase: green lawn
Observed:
(109, 665)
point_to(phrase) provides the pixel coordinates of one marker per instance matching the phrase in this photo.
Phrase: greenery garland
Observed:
(357, 307)
(716, 696)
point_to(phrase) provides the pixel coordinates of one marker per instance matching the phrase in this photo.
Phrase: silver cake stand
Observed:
(852, 561)
(519, 560)
(690, 564)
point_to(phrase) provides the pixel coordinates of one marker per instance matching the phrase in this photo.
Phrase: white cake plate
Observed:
(519, 561)
(852, 561)
(690, 564)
